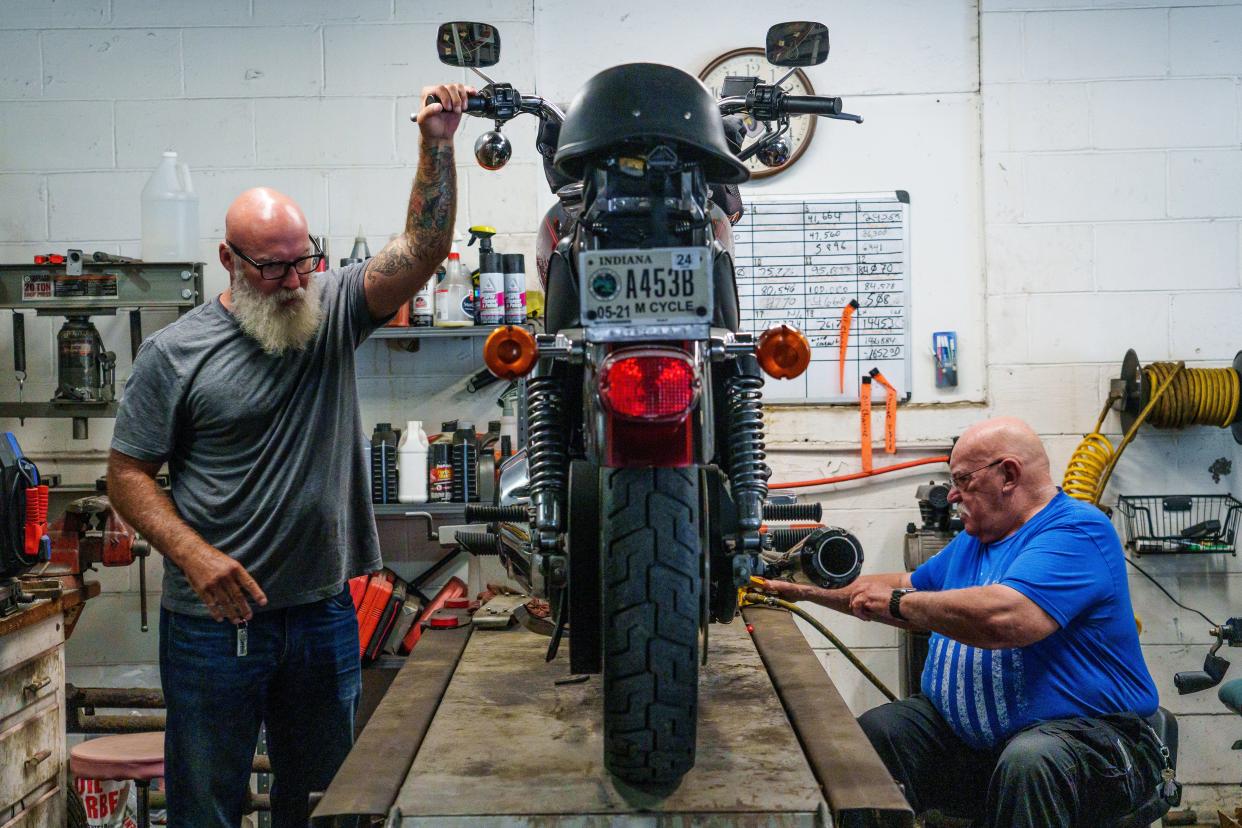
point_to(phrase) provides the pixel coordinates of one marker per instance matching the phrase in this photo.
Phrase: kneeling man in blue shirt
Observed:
(1035, 687)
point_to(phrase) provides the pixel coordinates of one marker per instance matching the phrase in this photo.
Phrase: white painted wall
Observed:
(1075, 170)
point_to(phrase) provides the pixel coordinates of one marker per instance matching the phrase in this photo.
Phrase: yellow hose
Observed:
(761, 599)
(1197, 396)
(1178, 399)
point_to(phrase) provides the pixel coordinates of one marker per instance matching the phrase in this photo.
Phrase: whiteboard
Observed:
(800, 259)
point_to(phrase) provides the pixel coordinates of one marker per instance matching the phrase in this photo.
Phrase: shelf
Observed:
(434, 333)
(447, 511)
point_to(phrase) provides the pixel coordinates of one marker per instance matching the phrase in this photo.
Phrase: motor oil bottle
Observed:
(491, 307)
(515, 288)
(384, 463)
(454, 302)
(465, 463)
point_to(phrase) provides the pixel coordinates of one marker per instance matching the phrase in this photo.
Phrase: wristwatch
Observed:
(894, 603)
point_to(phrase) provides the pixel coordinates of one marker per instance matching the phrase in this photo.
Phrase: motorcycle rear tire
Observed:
(652, 547)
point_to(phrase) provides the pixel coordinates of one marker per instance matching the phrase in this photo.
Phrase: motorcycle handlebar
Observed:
(474, 103)
(811, 105)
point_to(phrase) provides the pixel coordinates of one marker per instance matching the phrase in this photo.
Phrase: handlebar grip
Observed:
(474, 103)
(811, 105)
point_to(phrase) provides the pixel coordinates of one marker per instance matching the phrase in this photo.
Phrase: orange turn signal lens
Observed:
(783, 352)
(510, 352)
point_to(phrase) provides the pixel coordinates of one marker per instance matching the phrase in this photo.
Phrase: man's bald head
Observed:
(1005, 437)
(267, 225)
(1001, 477)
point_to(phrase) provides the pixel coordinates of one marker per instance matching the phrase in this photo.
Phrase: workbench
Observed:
(476, 730)
(33, 757)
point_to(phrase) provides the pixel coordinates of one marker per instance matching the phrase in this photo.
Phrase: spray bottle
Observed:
(491, 278)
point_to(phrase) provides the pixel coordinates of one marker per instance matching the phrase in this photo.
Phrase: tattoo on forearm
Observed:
(429, 222)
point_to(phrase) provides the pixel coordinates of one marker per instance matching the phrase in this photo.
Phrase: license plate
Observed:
(661, 286)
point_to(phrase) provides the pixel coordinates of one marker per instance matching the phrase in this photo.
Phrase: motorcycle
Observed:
(638, 502)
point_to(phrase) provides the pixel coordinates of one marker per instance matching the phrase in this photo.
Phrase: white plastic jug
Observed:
(412, 464)
(169, 214)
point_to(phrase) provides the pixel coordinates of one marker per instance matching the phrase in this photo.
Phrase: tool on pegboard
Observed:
(890, 412)
(944, 349)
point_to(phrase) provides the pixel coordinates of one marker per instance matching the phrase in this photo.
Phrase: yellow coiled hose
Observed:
(1182, 396)
(1196, 396)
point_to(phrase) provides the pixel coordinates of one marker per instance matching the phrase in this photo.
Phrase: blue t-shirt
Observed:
(1068, 560)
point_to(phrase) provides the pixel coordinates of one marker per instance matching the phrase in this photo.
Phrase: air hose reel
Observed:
(1203, 396)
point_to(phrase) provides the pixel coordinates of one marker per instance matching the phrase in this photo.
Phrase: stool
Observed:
(136, 756)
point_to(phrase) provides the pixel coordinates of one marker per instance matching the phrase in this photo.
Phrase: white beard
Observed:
(277, 328)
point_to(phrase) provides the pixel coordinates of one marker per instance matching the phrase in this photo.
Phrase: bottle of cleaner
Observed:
(169, 213)
(491, 307)
(515, 288)
(412, 464)
(422, 307)
(454, 302)
(440, 473)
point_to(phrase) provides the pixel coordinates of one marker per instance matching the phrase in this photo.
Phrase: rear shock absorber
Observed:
(748, 473)
(546, 456)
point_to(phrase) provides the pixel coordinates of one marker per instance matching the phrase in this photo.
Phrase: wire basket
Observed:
(1180, 524)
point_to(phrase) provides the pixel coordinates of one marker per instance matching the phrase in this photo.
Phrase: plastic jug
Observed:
(412, 464)
(454, 302)
(169, 214)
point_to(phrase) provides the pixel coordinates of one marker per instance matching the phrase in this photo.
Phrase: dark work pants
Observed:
(300, 676)
(1062, 773)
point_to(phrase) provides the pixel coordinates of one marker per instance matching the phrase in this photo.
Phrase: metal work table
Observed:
(474, 731)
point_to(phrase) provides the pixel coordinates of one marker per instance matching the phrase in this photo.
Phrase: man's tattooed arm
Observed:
(405, 264)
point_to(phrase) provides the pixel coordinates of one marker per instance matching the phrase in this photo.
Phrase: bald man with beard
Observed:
(251, 400)
(1033, 693)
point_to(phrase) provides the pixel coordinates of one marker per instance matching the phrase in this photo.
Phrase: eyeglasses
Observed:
(273, 271)
(960, 480)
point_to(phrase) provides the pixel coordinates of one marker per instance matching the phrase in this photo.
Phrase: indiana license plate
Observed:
(662, 286)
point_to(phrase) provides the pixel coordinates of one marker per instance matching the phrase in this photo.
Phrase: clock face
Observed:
(752, 62)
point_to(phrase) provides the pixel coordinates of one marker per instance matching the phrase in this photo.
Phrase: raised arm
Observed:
(405, 264)
(221, 582)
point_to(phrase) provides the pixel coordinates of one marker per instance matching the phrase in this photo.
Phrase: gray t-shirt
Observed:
(264, 452)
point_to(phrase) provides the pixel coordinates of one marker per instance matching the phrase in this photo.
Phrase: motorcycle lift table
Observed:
(475, 731)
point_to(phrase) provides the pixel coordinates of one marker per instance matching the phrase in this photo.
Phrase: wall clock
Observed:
(753, 61)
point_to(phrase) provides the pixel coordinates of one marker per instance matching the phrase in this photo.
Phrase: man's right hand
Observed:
(787, 590)
(222, 584)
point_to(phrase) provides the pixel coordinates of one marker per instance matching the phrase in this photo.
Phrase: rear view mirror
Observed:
(468, 45)
(799, 43)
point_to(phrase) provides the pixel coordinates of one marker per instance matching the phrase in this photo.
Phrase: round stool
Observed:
(136, 756)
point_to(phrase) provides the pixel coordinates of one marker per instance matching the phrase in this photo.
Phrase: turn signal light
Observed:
(510, 352)
(650, 386)
(783, 352)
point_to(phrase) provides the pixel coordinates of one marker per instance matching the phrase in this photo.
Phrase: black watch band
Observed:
(894, 602)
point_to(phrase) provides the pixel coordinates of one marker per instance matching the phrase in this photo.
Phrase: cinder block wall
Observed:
(1112, 175)
(1074, 172)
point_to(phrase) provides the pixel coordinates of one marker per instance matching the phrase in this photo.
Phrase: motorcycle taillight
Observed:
(650, 385)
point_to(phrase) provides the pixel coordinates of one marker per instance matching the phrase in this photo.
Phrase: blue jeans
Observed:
(301, 677)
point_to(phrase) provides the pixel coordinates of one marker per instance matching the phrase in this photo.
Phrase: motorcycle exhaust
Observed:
(829, 558)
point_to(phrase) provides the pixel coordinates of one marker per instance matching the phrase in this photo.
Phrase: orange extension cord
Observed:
(843, 478)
